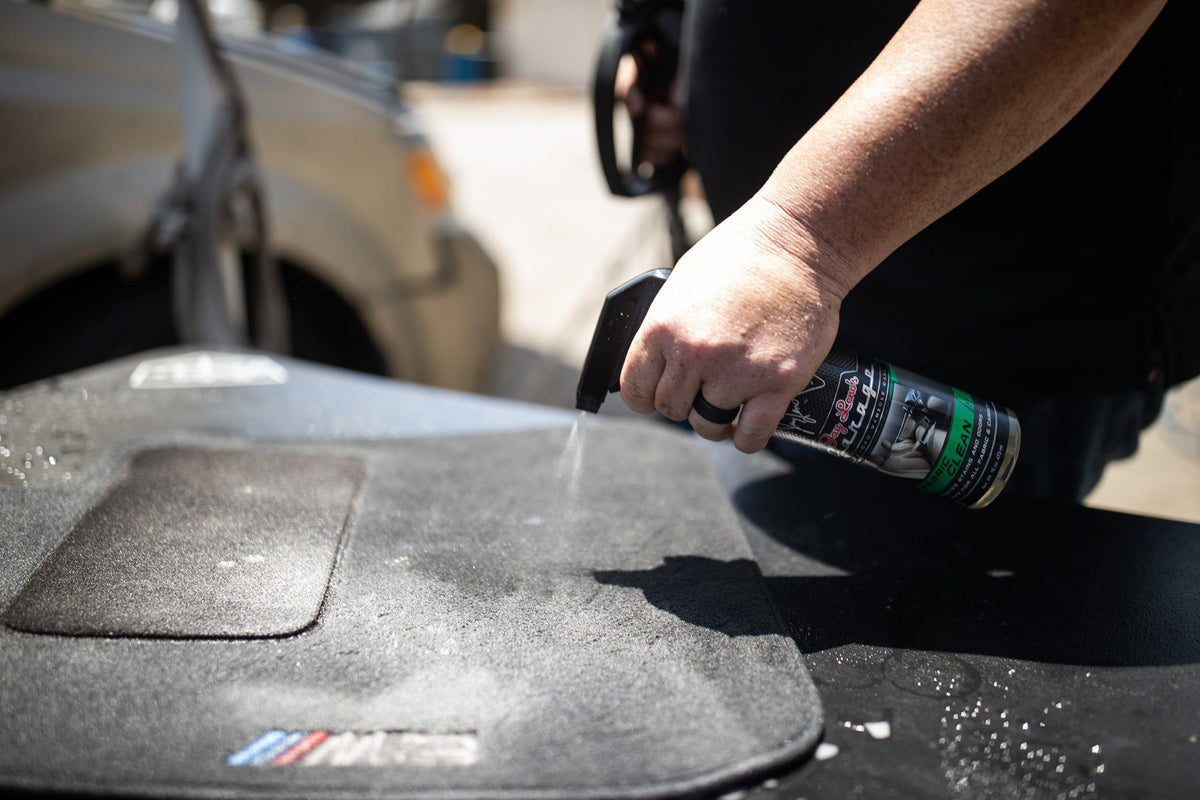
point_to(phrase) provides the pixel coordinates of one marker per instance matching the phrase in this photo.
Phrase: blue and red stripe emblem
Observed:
(276, 748)
(301, 748)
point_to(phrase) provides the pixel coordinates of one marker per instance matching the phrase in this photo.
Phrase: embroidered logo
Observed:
(278, 748)
(203, 370)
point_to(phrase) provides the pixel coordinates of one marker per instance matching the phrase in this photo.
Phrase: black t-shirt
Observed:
(1078, 271)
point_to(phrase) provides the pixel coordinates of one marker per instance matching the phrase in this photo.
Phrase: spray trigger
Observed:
(624, 310)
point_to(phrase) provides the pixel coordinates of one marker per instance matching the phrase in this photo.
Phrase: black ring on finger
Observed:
(717, 416)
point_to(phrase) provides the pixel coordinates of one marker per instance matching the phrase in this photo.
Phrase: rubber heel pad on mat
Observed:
(192, 543)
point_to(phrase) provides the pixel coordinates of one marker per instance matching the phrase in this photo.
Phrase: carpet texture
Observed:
(548, 613)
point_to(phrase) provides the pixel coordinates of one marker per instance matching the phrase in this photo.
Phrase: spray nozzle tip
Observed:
(587, 402)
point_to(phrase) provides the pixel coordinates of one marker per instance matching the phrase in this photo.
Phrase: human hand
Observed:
(747, 316)
(662, 123)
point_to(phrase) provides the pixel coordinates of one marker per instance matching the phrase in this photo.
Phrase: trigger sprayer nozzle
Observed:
(624, 309)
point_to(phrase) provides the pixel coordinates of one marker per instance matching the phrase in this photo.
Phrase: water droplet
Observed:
(826, 751)
(879, 730)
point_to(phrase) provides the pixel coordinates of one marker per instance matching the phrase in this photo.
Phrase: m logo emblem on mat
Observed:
(279, 748)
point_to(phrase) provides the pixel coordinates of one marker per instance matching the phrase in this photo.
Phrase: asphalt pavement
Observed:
(525, 177)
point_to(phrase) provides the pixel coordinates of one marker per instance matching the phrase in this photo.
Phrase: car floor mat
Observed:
(511, 614)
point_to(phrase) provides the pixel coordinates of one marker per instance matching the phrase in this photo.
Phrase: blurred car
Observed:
(378, 275)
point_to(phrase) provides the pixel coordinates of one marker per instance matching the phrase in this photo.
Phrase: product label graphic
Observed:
(902, 424)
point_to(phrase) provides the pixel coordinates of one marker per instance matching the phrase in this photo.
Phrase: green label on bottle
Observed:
(957, 446)
(944, 440)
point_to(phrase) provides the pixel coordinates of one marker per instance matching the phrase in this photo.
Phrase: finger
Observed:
(664, 119)
(640, 375)
(757, 423)
(706, 428)
(709, 430)
(663, 139)
(626, 77)
(676, 389)
(635, 101)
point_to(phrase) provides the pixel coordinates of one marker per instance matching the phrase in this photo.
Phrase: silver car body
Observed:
(90, 136)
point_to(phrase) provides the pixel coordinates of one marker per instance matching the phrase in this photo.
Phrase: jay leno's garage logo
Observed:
(278, 748)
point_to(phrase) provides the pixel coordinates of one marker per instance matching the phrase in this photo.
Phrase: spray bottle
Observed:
(949, 442)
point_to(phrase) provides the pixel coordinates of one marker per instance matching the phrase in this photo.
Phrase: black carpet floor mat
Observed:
(502, 621)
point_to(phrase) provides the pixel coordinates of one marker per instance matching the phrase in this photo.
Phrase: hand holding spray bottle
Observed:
(951, 443)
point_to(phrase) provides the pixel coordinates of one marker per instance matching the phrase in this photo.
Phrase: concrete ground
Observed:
(523, 169)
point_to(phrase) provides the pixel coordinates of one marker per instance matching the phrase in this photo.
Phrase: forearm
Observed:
(964, 91)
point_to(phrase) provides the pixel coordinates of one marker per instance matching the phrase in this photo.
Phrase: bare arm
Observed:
(964, 90)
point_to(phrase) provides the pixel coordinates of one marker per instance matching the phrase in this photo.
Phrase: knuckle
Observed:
(752, 435)
(780, 374)
(673, 411)
(690, 351)
(787, 371)
(636, 398)
(662, 334)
